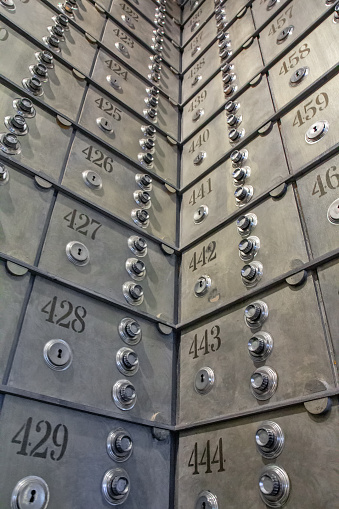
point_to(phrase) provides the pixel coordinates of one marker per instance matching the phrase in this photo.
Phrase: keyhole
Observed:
(201, 283)
(203, 505)
(32, 499)
(59, 353)
(79, 251)
(315, 129)
(93, 178)
(202, 377)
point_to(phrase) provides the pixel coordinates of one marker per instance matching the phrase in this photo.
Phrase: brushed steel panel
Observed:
(299, 355)
(221, 262)
(139, 58)
(146, 7)
(192, 5)
(133, 92)
(244, 67)
(75, 480)
(312, 57)
(309, 457)
(35, 17)
(94, 342)
(317, 191)
(86, 16)
(216, 191)
(105, 4)
(264, 9)
(173, 8)
(108, 253)
(233, 7)
(118, 185)
(127, 133)
(60, 78)
(200, 72)
(299, 15)
(23, 210)
(44, 147)
(239, 32)
(196, 21)
(172, 29)
(213, 138)
(12, 290)
(321, 106)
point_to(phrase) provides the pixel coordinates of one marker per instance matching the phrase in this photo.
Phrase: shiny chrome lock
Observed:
(233, 120)
(234, 135)
(260, 346)
(127, 361)
(30, 493)
(154, 76)
(92, 179)
(263, 383)
(200, 214)
(146, 159)
(274, 486)
(195, 25)
(333, 212)
(122, 48)
(119, 445)
(144, 181)
(284, 34)
(199, 158)
(269, 439)
(195, 51)
(251, 274)
(149, 131)
(147, 144)
(115, 486)
(271, 4)
(136, 269)
(128, 21)
(52, 42)
(137, 245)
(238, 156)
(46, 58)
(243, 195)
(33, 85)
(151, 114)
(336, 14)
(298, 76)
(197, 114)
(105, 125)
(204, 380)
(77, 253)
(62, 20)
(58, 354)
(202, 286)
(9, 144)
(130, 331)
(143, 199)
(67, 7)
(24, 107)
(140, 217)
(114, 82)
(206, 500)
(152, 92)
(124, 394)
(240, 174)
(196, 80)
(256, 314)
(228, 77)
(8, 3)
(249, 248)
(40, 71)
(230, 89)
(57, 30)
(16, 125)
(246, 223)
(152, 100)
(4, 175)
(317, 131)
(133, 293)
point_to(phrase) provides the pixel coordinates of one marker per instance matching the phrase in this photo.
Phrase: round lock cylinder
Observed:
(127, 361)
(136, 269)
(122, 48)
(16, 125)
(271, 4)
(24, 107)
(151, 114)
(115, 486)
(149, 131)
(246, 223)
(204, 380)
(53, 42)
(114, 82)
(77, 253)
(58, 354)
(251, 274)
(234, 135)
(195, 26)
(240, 174)
(137, 245)
(200, 214)
(143, 199)
(260, 346)
(105, 125)
(31, 492)
(144, 181)
(67, 7)
(155, 67)
(238, 156)
(63, 20)
(128, 21)
(243, 195)
(133, 293)
(140, 217)
(147, 144)
(40, 71)
(298, 76)
(263, 383)
(285, 34)
(228, 77)
(8, 3)
(92, 179)
(154, 76)
(46, 58)
(269, 439)
(274, 486)
(229, 89)
(195, 51)
(202, 286)
(196, 80)
(146, 159)
(152, 100)
(224, 43)
(34, 85)
(152, 92)
(124, 394)
(130, 331)
(233, 120)
(9, 144)
(248, 248)
(199, 158)
(333, 212)
(58, 30)
(197, 114)
(206, 500)
(119, 445)
(256, 314)
(317, 131)
(4, 175)
(336, 14)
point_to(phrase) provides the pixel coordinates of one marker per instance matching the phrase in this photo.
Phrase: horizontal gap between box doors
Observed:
(224, 306)
(85, 291)
(260, 410)
(272, 119)
(49, 109)
(41, 398)
(333, 151)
